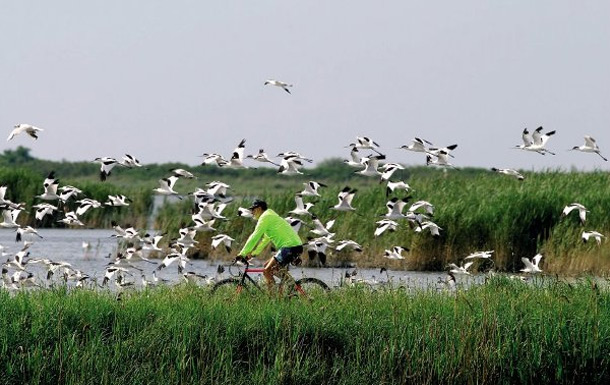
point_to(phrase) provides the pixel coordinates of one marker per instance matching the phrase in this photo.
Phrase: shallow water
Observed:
(67, 245)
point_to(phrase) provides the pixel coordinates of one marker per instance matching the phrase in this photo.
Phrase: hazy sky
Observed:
(170, 80)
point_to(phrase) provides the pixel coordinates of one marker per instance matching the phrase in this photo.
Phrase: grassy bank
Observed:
(502, 332)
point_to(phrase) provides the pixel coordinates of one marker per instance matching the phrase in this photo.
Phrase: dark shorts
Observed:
(288, 254)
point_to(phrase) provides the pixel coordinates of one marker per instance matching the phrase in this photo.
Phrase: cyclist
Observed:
(271, 228)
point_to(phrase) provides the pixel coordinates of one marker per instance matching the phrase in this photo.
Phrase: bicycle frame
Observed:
(244, 275)
(240, 280)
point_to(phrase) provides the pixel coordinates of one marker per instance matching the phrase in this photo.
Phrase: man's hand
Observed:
(243, 259)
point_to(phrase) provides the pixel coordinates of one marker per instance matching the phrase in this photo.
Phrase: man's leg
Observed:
(270, 268)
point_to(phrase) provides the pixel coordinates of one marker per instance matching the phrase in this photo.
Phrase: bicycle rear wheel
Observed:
(309, 287)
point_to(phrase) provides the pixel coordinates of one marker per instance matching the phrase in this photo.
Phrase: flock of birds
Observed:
(210, 201)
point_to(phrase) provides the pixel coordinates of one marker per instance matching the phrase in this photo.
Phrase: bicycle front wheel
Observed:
(227, 288)
(310, 287)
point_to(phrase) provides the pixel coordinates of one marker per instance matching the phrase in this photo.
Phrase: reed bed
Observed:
(476, 211)
(475, 208)
(502, 332)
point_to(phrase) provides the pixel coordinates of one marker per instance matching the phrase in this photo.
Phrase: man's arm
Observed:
(252, 240)
(261, 245)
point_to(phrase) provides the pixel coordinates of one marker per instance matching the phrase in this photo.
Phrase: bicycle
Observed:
(307, 287)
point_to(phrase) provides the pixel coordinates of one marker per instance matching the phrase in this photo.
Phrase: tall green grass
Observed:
(503, 332)
(476, 211)
(23, 185)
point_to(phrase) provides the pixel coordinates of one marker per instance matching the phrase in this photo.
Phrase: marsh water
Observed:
(90, 251)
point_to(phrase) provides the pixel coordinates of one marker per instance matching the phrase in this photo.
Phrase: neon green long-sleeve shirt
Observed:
(270, 228)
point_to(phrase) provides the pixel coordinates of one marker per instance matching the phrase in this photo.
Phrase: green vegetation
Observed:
(503, 332)
(475, 208)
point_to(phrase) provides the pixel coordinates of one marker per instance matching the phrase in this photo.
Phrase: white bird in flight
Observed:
(345, 199)
(348, 243)
(535, 142)
(533, 265)
(385, 225)
(595, 234)
(439, 159)
(508, 171)
(322, 229)
(180, 172)
(301, 208)
(582, 211)
(9, 218)
(290, 166)
(590, 146)
(395, 252)
(277, 83)
(395, 207)
(311, 188)
(400, 185)
(463, 269)
(50, 188)
(262, 156)
(27, 128)
(106, 165)
(355, 158)
(433, 227)
(388, 169)
(417, 145)
(166, 186)
(480, 254)
(365, 143)
(370, 163)
(447, 150)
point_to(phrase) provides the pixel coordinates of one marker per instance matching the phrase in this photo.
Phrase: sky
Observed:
(167, 81)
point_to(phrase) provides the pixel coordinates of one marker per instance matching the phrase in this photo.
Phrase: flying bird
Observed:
(536, 142)
(345, 199)
(223, 239)
(509, 172)
(590, 146)
(182, 173)
(371, 164)
(582, 211)
(262, 156)
(385, 225)
(400, 185)
(533, 265)
(311, 188)
(395, 252)
(301, 208)
(166, 186)
(439, 159)
(417, 145)
(595, 234)
(278, 83)
(106, 165)
(365, 143)
(463, 269)
(27, 128)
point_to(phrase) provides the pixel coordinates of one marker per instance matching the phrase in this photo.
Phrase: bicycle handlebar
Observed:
(236, 261)
(241, 259)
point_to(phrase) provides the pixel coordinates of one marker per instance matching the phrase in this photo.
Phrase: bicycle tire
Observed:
(311, 287)
(226, 287)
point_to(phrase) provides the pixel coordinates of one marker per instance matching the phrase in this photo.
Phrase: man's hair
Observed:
(259, 203)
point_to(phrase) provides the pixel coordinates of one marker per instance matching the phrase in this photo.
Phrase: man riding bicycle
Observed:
(270, 227)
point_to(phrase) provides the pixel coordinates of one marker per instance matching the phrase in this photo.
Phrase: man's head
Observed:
(258, 207)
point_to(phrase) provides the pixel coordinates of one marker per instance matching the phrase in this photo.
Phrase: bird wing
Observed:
(590, 142)
(537, 259)
(526, 137)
